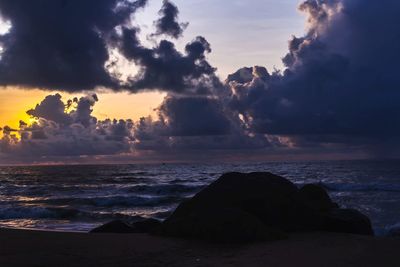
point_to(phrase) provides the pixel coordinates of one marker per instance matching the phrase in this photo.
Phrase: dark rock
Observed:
(347, 221)
(116, 226)
(259, 206)
(221, 225)
(264, 195)
(236, 208)
(146, 226)
(316, 198)
(302, 218)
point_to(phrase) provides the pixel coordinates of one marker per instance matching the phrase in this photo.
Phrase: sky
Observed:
(198, 80)
(243, 33)
(231, 31)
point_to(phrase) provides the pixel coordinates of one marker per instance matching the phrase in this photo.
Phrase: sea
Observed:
(79, 198)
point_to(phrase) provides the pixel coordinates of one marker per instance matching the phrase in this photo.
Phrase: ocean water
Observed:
(78, 198)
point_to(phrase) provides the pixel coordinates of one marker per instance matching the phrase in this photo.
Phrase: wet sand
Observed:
(48, 249)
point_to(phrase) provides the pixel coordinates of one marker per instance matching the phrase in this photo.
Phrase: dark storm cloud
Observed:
(168, 22)
(165, 68)
(65, 45)
(194, 116)
(341, 77)
(59, 44)
(51, 108)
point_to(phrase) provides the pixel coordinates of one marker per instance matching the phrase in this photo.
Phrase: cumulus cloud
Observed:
(340, 82)
(51, 108)
(168, 22)
(194, 116)
(165, 68)
(66, 129)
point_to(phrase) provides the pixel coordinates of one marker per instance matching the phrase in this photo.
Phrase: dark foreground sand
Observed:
(47, 249)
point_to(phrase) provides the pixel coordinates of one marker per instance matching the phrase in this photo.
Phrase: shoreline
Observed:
(49, 248)
(377, 232)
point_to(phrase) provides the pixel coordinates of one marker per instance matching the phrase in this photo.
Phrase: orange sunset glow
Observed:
(14, 102)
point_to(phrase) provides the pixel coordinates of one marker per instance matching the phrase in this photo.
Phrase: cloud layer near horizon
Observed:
(339, 91)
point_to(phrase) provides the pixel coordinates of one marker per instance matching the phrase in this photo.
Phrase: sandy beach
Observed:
(48, 249)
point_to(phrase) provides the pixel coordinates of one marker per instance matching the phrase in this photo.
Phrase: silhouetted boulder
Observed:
(260, 206)
(220, 224)
(116, 226)
(264, 195)
(237, 207)
(347, 221)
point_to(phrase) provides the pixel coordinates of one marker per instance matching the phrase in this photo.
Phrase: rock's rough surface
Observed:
(260, 206)
(220, 224)
(347, 221)
(266, 196)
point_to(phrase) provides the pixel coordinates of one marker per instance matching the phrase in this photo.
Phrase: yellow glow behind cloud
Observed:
(127, 106)
(15, 102)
